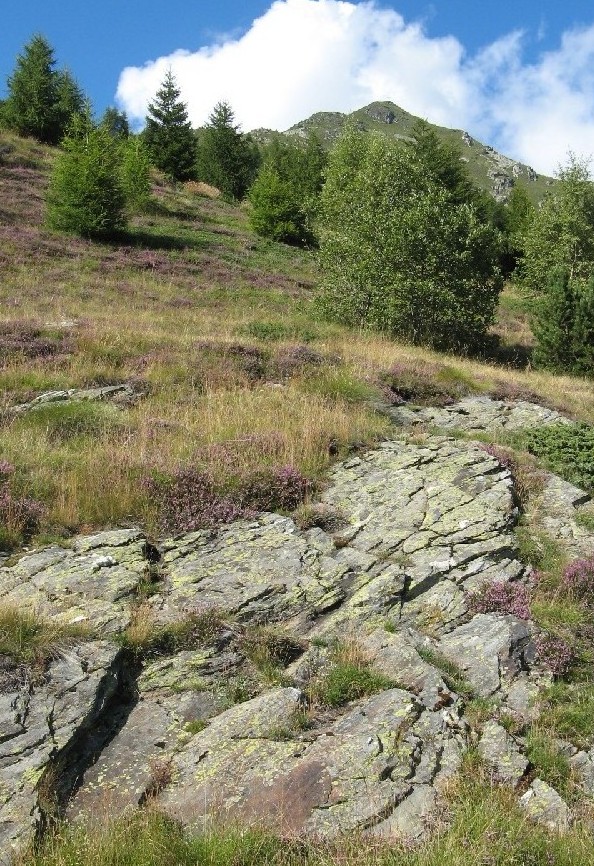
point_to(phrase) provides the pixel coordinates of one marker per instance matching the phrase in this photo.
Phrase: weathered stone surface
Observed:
(411, 820)
(490, 649)
(544, 805)
(582, 765)
(344, 777)
(556, 510)
(39, 721)
(125, 393)
(475, 414)
(500, 751)
(422, 523)
(93, 582)
(396, 657)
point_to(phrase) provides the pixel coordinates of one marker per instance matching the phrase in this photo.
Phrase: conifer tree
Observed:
(285, 194)
(41, 100)
(227, 159)
(168, 133)
(116, 122)
(86, 194)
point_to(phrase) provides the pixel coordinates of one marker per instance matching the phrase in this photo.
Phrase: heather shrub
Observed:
(30, 340)
(276, 487)
(19, 515)
(578, 579)
(190, 498)
(554, 653)
(501, 597)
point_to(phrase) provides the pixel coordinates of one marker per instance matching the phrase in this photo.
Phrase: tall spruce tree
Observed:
(41, 100)
(168, 133)
(227, 159)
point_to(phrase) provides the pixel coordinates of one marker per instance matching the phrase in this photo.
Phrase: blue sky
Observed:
(516, 74)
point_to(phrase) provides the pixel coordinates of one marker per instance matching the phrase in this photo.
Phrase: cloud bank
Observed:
(304, 56)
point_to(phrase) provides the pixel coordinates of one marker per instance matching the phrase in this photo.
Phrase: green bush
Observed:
(276, 211)
(86, 195)
(564, 324)
(566, 449)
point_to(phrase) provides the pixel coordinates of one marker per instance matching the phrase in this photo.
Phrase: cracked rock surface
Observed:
(207, 733)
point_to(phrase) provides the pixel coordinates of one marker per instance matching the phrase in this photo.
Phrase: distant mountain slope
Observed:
(491, 170)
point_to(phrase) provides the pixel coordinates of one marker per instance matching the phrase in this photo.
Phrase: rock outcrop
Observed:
(419, 524)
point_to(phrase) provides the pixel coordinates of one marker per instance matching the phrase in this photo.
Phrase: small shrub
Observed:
(554, 653)
(27, 638)
(19, 515)
(277, 487)
(566, 449)
(424, 384)
(195, 726)
(578, 579)
(348, 677)
(30, 340)
(189, 499)
(346, 682)
(145, 638)
(501, 597)
(307, 515)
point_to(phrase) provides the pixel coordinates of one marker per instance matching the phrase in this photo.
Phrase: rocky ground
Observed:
(222, 721)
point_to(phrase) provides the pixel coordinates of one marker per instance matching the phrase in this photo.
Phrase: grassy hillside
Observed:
(489, 169)
(215, 330)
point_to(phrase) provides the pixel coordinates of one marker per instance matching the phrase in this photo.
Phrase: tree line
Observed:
(407, 243)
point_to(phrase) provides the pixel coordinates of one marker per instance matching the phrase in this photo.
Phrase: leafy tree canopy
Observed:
(168, 133)
(561, 232)
(116, 122)
(398, 253)
(284, 196)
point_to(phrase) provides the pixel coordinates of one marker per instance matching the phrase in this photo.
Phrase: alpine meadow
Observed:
(296, 490)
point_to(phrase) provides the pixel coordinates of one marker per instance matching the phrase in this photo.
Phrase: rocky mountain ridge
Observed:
(490, 169)
(208, 729)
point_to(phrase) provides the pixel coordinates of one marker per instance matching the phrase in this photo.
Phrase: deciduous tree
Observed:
(398, 254)
(561, 232)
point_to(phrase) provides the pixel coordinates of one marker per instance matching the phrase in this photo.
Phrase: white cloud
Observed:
(304, 56)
